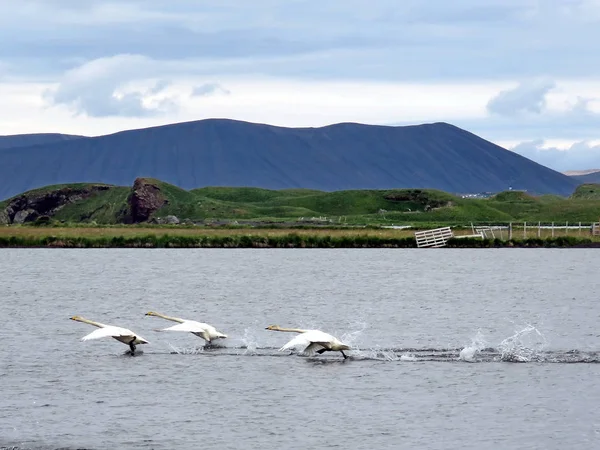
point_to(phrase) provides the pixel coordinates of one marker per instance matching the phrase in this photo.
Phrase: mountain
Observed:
(585, 176)
(221, 152)
(580, 172)
(25, 140)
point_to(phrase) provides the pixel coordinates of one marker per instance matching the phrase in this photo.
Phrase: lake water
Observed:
(452, 349)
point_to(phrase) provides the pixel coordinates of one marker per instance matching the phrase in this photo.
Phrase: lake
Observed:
(451, 349)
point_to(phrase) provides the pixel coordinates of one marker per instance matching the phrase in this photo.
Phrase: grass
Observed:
(587, 192)
(134, 232)
(417, 207)
(176, 237)
(101, 207)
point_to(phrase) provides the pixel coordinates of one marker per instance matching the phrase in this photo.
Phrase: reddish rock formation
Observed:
(146, 198)
(29, 206)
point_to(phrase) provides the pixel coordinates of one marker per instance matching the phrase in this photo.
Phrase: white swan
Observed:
(123, 335)
(314, 341)
(203, 330)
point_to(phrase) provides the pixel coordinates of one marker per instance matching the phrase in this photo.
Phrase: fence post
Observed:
(524, 230)
(579, 228)
(539, 229)
(552, 229)
(509, 231)
(567, 229)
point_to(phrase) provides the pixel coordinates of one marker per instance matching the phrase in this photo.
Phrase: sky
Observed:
(523, 74)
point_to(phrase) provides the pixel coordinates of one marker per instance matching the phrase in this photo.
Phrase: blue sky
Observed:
(523, 74)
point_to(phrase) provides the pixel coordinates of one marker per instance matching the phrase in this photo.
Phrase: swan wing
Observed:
(319, 336)
(305, 339)
(190, 327)
(313, 347)
(298, 341)
(108, 331)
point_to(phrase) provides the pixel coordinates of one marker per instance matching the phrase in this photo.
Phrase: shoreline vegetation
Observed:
(155, 214)
(174, 237)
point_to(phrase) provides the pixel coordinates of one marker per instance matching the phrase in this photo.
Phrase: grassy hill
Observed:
(106, 204)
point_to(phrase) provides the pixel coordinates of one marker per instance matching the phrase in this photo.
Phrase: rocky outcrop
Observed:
(29, 206)
(419, 197)
(146, 198)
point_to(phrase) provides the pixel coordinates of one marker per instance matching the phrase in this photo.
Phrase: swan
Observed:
(123, 335)
(203, 330)
(316, 341)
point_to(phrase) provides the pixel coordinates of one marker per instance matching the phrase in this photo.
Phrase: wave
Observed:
(407, 354)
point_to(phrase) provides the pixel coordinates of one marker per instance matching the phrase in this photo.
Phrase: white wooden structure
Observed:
(438, 237)
(433, 238)
(485, 232)
(596, 229)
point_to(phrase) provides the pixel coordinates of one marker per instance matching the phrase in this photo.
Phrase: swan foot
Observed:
(321, 351)
(132, 346)
(342, 352)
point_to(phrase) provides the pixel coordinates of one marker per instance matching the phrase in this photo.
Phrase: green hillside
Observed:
(105, 204)
(587, 192)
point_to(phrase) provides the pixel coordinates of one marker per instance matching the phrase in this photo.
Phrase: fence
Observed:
(438, 237)
(524, 230)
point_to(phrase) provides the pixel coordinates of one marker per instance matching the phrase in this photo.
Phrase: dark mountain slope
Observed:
(26, 140)
(593, 177)
(219, 152)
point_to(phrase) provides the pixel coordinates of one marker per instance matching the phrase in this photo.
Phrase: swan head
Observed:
(273, 327)
(77, 318)
(151, 313)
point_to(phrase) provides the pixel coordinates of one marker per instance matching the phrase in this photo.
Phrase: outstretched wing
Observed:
(108, 332)
(191, 327)
(311, 340)
(298, 341)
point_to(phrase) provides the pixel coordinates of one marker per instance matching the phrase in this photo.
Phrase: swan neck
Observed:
(291, 330)
(91, 322)
(172, 319)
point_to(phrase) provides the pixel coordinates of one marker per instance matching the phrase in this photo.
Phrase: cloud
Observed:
(206, 89)
(160, 86)
(131, 62)
(112, 87)
(579, 156)
(527, 97)
(384, 40)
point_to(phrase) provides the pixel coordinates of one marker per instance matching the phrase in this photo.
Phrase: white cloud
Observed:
(509, 70)
(112, 87)
(579, 156)
(206, 89)
(528, 97)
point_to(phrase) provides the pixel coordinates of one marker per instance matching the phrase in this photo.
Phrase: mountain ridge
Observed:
(227, 152)
(32, 139)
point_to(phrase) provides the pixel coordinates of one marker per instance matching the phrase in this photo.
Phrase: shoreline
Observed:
(290, 241)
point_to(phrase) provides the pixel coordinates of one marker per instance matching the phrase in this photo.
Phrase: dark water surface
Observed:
(452, 349)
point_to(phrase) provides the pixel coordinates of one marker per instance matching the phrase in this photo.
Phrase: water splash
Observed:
(186, 351)
(351, 337)
(249, 341)
(470, 352)
(525, 345)
(377, 354)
